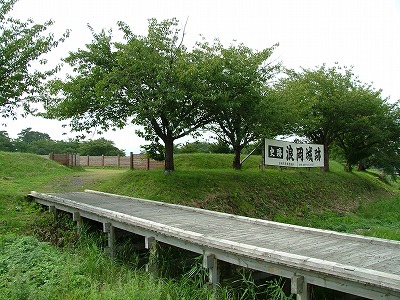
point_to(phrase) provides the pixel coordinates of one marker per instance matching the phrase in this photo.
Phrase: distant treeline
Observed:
(40, 143)
(31, 141)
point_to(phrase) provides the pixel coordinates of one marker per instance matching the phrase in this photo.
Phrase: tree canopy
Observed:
(153, 81)
(22, 43)
(334, 107)
(6, 144)
(238, 79)
(150, 80)
(99, 147)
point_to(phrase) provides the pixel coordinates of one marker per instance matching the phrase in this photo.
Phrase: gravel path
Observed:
(83, 180)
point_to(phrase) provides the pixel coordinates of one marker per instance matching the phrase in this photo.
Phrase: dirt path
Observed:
(83, 180)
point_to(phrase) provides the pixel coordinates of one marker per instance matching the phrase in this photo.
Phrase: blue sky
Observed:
(361, 33)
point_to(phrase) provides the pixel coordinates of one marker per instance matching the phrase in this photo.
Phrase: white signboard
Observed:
(288, 154)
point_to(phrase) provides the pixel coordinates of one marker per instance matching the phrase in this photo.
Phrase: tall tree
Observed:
(27, 137)
(238, 78)
(6, 143)
(99, 147)
(148, 80)
(324, 101)
(43, 147)
(371, 128)
(386, 155)
(21, 44)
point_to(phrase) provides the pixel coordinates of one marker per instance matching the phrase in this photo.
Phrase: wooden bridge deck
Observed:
(363, 266)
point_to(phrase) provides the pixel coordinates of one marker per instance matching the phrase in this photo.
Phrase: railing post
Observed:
(131, 161)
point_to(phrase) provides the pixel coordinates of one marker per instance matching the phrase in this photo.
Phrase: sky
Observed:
(364, 34)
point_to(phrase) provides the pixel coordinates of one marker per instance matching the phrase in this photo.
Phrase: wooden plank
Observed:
(261, 222)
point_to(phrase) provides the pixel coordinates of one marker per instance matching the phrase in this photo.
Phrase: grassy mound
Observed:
(196, 161)
(24, 166)
(199, 182)
(21, 173)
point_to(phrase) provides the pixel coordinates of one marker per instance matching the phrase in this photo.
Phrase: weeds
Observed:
(275, 291)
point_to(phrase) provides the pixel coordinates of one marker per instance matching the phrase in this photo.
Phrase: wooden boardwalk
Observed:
(362, 266)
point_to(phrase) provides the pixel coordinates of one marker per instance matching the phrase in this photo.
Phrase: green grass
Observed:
(252, 192)
(30, 269)
(69, 267)
(19, 174)
(196, 161)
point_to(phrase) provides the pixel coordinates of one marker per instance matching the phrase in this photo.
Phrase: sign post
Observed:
(289, 154)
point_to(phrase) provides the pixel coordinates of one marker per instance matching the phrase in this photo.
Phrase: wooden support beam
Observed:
(53, 210)
(149, 241)
(110, 230)
(152, 265)
(210, 262)
(106, 227)
(299, 287)
(76, 217)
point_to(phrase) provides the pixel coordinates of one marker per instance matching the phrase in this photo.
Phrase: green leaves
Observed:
(21, 45)
(334, 107)
(149, 80)
(236, 78)
(99, 147)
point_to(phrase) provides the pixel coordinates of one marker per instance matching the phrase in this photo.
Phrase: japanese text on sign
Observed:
(280, 153)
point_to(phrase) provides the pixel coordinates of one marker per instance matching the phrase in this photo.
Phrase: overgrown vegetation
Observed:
(43, 259)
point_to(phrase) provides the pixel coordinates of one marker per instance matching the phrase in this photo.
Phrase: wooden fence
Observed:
(66, 159)
(134, 161)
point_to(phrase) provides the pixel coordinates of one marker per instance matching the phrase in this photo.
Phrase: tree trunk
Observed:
(169, 154)
(326, 157)
(236, 160)
(361, 167)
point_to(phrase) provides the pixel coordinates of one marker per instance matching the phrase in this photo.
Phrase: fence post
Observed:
(148, 163)
(131, 161)
(118, 160)
(88, 160)
(102, 160)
